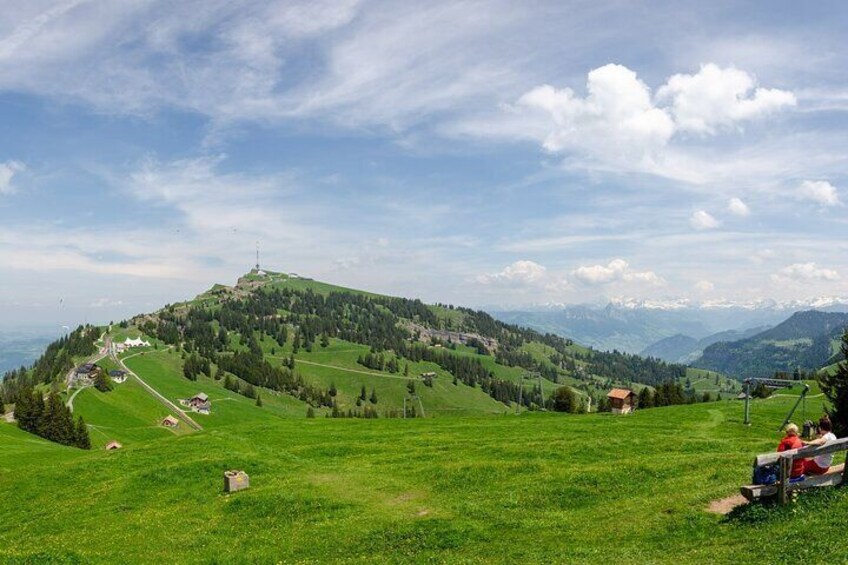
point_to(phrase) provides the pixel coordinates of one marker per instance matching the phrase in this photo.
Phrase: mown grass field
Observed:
(530, 488)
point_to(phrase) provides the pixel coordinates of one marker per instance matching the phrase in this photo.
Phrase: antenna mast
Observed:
(257, 255)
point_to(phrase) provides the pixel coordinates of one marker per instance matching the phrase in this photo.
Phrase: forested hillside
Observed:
(350, 353)
(806, 341)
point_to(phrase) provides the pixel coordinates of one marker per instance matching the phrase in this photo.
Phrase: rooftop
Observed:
(621, 393)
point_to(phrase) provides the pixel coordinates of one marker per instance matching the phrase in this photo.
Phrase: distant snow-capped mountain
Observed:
(632, 325)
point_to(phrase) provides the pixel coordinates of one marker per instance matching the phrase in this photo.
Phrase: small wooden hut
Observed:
(170, 422)
(622, 400)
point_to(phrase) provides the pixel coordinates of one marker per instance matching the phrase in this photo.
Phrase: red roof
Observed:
(621, 393)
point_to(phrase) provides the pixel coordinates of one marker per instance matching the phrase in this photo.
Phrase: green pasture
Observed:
(501, 489)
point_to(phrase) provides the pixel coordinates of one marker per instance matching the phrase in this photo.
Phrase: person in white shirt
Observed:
(819, 465)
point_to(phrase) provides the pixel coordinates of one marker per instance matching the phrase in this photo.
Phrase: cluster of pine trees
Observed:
(50, 419)
(668, 394)
(194, 365)
(835, 388)
(256, 371)
(367, 413)
(378, 362)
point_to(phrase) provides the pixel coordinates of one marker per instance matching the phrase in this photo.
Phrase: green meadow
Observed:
(538, 487)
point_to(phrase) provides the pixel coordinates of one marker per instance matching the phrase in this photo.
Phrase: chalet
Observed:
(429, 375)
(170, 422)
(742, 396)
(87, 369)
(622, 400)
(118, 375)
(113, 445)
(200, 402)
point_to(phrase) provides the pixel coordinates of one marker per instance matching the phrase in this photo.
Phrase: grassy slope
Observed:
(128, 414)
(163, 371)
(500, 489)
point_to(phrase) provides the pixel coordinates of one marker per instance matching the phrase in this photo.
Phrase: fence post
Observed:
(785, 474)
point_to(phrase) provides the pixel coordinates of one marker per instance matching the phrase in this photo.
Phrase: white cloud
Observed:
(615, 271)
(7, 171)
(704, 286)
(715, 98)
(620, 126)
(819, 191)
(617, 114)
(703, 220)
(518, 273)
(738, 208)
(805, 272)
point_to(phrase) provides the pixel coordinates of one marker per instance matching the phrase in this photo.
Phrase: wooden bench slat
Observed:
(805, 452)
(833, 477)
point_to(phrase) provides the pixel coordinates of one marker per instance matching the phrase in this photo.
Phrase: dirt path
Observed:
(70, 402)
(373, 374)
(726, 505)
(170, 405)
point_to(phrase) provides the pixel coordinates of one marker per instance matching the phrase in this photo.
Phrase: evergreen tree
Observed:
(325, 340)
(259, 400)
(81, 437)
(332, 391)
(410, 386)
(373, 398)
(646, 399)
(310, 412)
(102, 382)
(362, 393)
(835, 388)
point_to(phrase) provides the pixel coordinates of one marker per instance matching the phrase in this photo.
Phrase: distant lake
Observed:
(19, 348)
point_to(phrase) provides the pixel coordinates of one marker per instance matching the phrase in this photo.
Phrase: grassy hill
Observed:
(488, 489)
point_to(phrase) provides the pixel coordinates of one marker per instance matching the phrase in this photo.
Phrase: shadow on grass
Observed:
(820, 500)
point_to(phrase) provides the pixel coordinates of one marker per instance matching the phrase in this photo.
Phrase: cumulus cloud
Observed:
(738, 208)
(615, 271)
(805, 272)
(617, 111)
(7, 171)
(703, 220)
(518, 273)
(819, 191)
(715, 98)
(620, 124)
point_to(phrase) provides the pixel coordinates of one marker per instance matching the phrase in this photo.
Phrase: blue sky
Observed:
(481, 153)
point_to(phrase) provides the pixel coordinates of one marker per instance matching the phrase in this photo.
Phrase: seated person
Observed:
(819, 465)
(792, 441)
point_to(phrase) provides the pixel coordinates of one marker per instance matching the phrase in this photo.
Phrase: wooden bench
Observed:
(837, 474)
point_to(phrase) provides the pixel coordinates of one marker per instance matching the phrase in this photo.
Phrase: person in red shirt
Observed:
(792, 441)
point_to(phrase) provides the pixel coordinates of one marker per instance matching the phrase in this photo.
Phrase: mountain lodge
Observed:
(622, 400)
